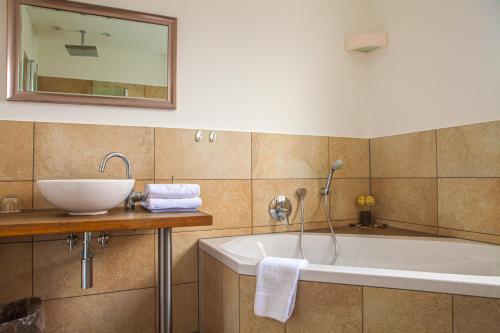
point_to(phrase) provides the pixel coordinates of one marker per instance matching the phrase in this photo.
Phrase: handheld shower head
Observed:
(337, 165)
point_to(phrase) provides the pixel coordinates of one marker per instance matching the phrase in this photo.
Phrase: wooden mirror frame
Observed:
(13, 40)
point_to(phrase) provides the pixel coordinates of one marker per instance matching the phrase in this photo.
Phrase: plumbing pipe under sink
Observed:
(87, 256)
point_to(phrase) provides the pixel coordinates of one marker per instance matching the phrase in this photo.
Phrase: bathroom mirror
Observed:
(69, 52)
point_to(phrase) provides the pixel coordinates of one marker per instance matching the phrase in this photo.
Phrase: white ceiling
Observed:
(137, 36)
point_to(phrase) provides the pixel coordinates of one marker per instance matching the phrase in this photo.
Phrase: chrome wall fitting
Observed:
(280, 209)
(198, 135)
(103, 239)
(71, 240)
(212, 137)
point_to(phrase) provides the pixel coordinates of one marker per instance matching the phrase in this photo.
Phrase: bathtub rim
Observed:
(459, 284)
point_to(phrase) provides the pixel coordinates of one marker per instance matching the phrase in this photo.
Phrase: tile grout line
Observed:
(430, 226)
(33, 207)
(362, 309)
(251, 181)
(154, 154)
(239, 302)
(452, 315)
(370, 164)
(437, 179)
(33, 169)
(96, 294)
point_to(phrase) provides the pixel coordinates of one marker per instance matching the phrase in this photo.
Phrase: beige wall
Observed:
(239, 175)
(441, 68)
(227, 307)
(264, 66)
(444, 181)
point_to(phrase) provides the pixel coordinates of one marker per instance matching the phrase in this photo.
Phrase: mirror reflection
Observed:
(75, 53)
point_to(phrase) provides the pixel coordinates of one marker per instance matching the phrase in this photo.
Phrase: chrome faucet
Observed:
(133, 197)
(124, 158)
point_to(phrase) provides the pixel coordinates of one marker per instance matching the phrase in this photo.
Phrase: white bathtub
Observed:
(443, 265)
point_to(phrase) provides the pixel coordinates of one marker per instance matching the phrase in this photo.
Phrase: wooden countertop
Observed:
(40, 222)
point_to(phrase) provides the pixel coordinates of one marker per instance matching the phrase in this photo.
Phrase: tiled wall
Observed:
(444, 182)
(228, 298)
(239, 175)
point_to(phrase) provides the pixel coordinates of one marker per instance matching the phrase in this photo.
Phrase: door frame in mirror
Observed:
(13, 44)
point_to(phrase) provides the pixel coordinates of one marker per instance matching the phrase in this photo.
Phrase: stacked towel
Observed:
(172, 191)
(172, 198)
(276, 288)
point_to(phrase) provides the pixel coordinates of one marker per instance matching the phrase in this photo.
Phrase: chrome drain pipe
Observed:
(87, 256)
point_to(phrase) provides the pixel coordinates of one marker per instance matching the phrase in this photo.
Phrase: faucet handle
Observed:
(71, 241)
(280, 208)
(103, 239)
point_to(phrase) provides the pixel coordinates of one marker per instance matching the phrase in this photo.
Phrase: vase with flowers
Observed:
(365, 216)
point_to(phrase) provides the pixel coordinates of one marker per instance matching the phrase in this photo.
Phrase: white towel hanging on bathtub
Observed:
(276, 288)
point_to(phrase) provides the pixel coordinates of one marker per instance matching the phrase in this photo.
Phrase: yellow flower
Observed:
(361, 200)
(370, 201)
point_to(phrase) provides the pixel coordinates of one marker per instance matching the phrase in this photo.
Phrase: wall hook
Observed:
(212, 137)
(198, 135)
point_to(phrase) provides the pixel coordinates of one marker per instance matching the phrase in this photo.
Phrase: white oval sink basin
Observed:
(86, 196)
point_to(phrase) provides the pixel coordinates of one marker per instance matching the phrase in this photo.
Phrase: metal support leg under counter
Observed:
(164, 318)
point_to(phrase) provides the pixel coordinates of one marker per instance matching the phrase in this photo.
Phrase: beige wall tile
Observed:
(396, 310)
(185, 308)
(406, 200)
(74, 150)
(474, 236)
(344, 195)
(470, 204)
(185, 255)
(326, 307)
(475, 314)
(469, 151)
(212, 298)
(201, 289)
(15, 275)
(18, 239)
(289, 156)
(249, 322)
(409, 226)
(230, 300)
(229, 202)
(264, 191)
(178, 154)
(406, 155)
(127, 311)
(16, 159)
(356, 156)
(126, 263)
(23, 190)
(310, 226)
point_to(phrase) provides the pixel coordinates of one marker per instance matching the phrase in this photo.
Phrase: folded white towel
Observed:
(172, 191)
(172, 204)
(173, 210)
(276, 288)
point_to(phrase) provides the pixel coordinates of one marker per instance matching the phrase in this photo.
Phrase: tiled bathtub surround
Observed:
(445, 181)
(239, 175)
(227, 306)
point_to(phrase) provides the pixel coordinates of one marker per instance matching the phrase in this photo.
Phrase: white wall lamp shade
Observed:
(366, 42)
